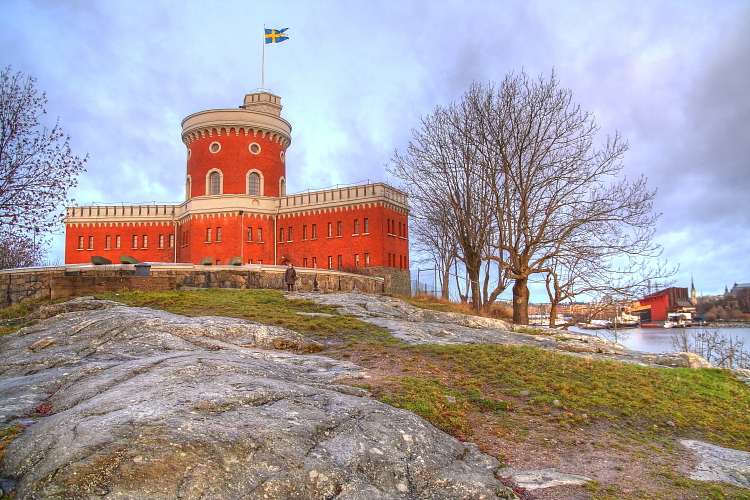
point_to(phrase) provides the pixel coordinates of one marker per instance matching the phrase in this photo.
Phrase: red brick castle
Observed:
(236, 210)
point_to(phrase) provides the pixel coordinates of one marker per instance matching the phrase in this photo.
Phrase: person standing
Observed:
(290, 276)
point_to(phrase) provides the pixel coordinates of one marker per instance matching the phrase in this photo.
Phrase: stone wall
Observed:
(18, 285)
(397, 281)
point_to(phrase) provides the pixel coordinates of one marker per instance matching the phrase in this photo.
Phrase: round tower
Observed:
(237, 151)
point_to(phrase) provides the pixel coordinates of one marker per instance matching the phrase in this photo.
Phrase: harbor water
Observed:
(659, 340)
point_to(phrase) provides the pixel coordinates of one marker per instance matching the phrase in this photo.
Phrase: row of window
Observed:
(391, 223)
(253, 147)
(108, 242)
(215, 184)
(314, 230)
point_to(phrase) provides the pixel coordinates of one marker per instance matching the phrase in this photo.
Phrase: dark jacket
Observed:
(290, 275)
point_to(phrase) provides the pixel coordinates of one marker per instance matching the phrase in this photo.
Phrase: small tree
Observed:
(37, 167)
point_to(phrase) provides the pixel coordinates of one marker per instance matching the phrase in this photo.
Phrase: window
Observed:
(260, 237)
(289, 235)
(249, 234)
(249, 261)
(254, 148)
(339, 229)
(218, 262)
(281, 235)
(218, 235)
(107, 242)
(161, 241)
(214, 147)
(304, 262)
(80, 243)
(188, 188)
(367, 259)
(171, 241)
(208, 235)
(91, 242)
(145, 241)
(214, 183)
(282, 187)
(304, 232)
(253, 184)
(367, 225)
(330, 229)
(315, 262)
(260, 261)
(356, 226)
(330, 262)
(341, 262)
(135, 241)
(117, 242)
(314, 231)
(356, 260)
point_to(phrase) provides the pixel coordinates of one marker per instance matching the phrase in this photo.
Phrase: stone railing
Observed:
(130, 212)
(363, 193)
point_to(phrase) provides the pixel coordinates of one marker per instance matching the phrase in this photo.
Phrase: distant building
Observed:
(658, 306)
(739, 288)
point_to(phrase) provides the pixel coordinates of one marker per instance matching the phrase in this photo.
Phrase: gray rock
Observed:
(541, 478)
(147, 405)
(719, 464)
(413, 325)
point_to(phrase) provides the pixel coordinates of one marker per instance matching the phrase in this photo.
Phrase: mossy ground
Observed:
(495, 394)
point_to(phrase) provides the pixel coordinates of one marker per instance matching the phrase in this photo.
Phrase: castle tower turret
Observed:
(238, 151)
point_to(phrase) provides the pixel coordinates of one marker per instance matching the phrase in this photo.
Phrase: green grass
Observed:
(708, 404)
(264, 306)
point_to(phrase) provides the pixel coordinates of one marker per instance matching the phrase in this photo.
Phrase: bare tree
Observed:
(553, 192)
(441, 171)
(713, 346)
(37, 167)
(17, 249)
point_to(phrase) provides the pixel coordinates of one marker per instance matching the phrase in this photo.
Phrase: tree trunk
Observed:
(521, 302)
(552, 314)
(445, 292)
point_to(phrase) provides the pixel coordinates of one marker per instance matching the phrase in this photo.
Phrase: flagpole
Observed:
(263, 61)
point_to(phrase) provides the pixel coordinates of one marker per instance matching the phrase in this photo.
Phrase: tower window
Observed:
(135, 241)
(80, 243)
(314, 231)
(249, 234)
(254, 148)
(367, 225)
(161, 241)
(282, 187)
(171, 241)
(214, 147)
(91, 242)
(253, 184)
(145, 241)
(215, 183)
(330, 229)
(117, 242)
(339, 229)
(356, 226)
(218, 235)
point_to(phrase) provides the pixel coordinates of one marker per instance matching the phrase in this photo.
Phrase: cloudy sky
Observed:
(672, 77)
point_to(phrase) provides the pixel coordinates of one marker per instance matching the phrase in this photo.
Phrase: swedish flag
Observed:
(276, 36)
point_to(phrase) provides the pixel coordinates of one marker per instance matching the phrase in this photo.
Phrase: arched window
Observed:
(282, 187)
(215, 183)
(188, 188)
(253, 184)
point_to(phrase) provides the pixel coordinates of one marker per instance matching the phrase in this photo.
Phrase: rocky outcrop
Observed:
(131, 403)
(420, 326)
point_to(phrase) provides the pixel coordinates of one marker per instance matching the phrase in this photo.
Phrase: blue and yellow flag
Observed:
(276, 36)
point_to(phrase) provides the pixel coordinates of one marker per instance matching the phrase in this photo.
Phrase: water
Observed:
(659, 340)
